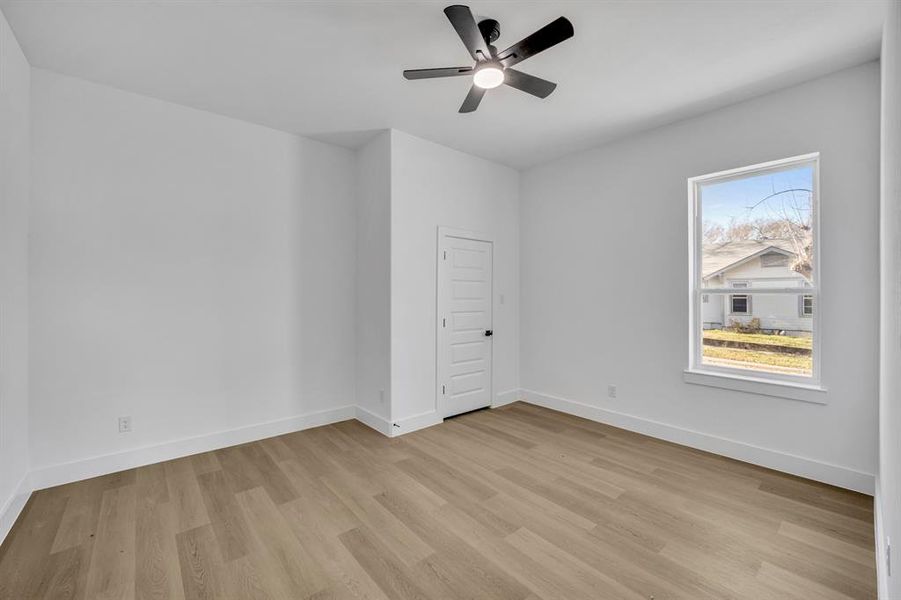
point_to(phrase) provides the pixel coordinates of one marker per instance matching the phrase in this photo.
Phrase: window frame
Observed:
(747, 312)
(802, 302)
(695, 289)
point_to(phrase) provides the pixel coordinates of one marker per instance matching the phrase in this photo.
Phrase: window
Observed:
(740, 304)
(773, 259)
(755, 229)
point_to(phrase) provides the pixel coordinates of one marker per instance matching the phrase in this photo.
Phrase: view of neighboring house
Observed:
(750, 267)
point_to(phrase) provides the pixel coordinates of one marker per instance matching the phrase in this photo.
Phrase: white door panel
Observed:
(464, 318)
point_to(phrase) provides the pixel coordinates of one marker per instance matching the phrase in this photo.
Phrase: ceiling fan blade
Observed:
(461, 18)
(529, 83)
(550, 35)
(442, 72)
(472, 99)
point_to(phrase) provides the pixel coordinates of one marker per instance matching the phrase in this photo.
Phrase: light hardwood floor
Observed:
(517, 503)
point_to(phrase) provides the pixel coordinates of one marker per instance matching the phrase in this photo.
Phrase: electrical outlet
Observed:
(124, 424)
(611, 391)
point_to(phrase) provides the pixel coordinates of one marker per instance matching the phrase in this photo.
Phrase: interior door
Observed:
(464, 324)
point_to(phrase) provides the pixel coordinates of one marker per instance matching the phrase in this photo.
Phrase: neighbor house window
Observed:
(740, 304)
(755, 229)
(773, 259)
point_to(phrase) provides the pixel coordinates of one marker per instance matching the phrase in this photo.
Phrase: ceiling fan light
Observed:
(488, 77)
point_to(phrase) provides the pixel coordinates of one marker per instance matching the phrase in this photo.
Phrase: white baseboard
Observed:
(879, 524)
(59, 474)
(764, 457)
(13, 506)
(416, 422)
(399, 427)
(508, 397)
(380, 424)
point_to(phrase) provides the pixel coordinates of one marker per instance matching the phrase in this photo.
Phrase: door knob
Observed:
(488, 333)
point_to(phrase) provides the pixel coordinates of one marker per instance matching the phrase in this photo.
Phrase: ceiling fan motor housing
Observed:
(491, 30)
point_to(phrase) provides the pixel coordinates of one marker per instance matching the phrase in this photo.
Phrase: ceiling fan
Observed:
(492, 68)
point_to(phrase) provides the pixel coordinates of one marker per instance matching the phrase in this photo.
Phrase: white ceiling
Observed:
(332, 70)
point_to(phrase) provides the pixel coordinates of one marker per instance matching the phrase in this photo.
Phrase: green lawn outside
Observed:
(759, 359)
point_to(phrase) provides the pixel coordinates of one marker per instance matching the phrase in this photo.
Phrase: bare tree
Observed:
(789, 216)
(783, 215)
(713, 233)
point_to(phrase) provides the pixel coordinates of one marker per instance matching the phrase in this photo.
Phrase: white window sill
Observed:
(815, 394)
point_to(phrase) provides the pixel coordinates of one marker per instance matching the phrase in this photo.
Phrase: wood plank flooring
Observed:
(518, 503)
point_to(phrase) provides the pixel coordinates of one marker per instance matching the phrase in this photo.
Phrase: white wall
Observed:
(604, 279)
(189, 270)
(15, 124)
(373, 376)
(888, 485)
(433, 186)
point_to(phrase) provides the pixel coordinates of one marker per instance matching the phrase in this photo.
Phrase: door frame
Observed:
(440, 294)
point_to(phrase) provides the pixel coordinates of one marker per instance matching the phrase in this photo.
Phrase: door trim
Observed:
(450, 232)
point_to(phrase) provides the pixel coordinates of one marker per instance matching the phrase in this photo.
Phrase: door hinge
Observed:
(443, 322)
(445, 255)
(442, 390)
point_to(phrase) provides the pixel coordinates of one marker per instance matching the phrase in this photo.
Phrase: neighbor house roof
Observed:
(720, 257)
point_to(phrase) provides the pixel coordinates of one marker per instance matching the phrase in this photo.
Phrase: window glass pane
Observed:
(771, 338)
(758, 229)
(739, 305)
(807, 306)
